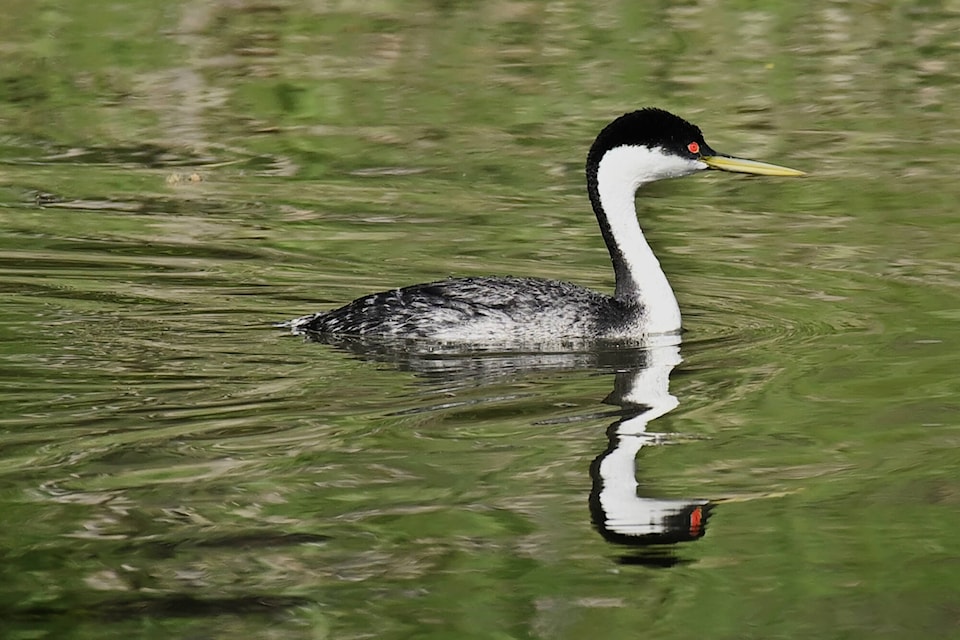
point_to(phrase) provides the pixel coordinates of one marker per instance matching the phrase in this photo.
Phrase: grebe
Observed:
(633, 150)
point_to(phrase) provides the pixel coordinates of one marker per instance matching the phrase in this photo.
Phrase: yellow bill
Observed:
(741, 165)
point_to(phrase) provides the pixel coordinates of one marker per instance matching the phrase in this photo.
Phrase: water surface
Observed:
(178, 176)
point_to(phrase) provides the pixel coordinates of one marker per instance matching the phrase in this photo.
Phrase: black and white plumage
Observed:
(481, 308)
(633, 150)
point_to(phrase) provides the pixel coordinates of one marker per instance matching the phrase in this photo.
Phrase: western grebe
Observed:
(633, 150)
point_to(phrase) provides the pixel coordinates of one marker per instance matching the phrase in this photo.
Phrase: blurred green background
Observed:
(176, 176)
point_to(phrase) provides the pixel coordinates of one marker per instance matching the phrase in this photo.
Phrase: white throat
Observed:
(620, 173)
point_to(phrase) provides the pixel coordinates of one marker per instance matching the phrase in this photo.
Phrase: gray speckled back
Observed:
(479, 309)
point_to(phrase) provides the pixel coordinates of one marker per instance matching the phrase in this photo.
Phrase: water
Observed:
(178, 176)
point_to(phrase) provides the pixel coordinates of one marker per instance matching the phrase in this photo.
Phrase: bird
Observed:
(633, 150)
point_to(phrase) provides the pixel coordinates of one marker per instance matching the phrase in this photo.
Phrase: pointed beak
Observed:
(741, 165)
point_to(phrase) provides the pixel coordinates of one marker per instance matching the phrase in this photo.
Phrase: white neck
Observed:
(620, 173)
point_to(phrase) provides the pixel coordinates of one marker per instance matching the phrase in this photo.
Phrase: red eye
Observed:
(693, 147)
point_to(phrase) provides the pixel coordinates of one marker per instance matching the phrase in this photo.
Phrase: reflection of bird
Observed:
(636, 148)
(620, 514)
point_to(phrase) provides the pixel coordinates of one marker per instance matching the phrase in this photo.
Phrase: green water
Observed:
(176, 176)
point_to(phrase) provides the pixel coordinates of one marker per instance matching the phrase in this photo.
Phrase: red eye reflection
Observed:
(693, 147)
